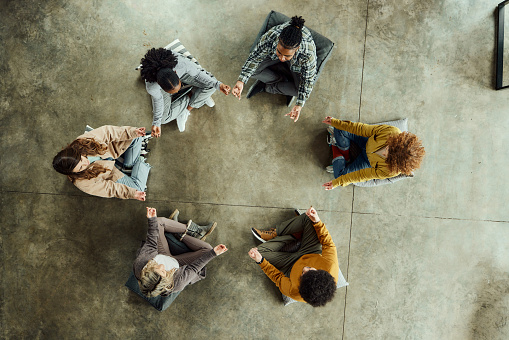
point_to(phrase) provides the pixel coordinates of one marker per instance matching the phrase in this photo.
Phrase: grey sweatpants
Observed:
(309, 243)
(278, 77)
(200, 93)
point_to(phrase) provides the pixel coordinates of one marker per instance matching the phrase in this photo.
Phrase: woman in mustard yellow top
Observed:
(385, 152)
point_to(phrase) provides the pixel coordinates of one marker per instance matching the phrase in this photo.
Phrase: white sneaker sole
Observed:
(257, 236)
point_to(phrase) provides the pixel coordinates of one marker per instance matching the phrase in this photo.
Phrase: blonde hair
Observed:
(152, 284)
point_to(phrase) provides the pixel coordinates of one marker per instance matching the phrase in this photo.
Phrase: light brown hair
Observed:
(405, 153)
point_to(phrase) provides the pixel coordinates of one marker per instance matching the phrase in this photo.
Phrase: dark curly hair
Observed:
(291, 35)
(156, 60)
(405, 153)
(317, 287)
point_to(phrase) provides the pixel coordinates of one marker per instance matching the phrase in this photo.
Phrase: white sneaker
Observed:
(210, 102)
(182, 119)
(331, 140)
(330, 169)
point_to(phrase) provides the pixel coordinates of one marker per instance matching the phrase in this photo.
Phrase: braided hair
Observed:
(156, 60)
(291, 36)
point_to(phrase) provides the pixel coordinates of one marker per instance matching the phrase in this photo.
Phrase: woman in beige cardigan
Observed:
(89, 162)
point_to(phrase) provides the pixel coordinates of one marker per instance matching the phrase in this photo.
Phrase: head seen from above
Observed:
(155, 280)
(73, 162)
(158, 66)
(405, 153)
(317, 287)
(290, 39)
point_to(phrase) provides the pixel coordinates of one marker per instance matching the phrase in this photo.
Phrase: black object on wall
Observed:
(500, 49)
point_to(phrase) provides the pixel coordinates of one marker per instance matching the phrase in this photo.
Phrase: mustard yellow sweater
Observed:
(327, 261)
(378, 135)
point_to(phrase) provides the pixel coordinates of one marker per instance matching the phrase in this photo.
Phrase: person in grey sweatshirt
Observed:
(161, 273)
(165, 71)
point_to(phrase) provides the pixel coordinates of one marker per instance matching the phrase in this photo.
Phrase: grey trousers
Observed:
(174, 109)
(198, 247)
(278, 77)
(200, 93)
(309, 243)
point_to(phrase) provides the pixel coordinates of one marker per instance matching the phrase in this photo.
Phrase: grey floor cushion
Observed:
(160, 302)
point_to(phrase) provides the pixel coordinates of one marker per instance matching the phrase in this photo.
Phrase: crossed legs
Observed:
(309, 244)
(198, 247)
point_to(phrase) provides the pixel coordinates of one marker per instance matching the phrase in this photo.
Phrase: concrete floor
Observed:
(426, 258)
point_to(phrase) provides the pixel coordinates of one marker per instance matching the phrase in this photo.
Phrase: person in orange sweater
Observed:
(385, 152)
(308, 272)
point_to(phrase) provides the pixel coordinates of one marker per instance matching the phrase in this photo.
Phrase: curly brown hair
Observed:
(67, 159)
(405, 153)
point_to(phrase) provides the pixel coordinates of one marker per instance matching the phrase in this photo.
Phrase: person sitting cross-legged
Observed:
(161, 273)
(283, 62)
(166, 71)
(300, 257)
(386, 152)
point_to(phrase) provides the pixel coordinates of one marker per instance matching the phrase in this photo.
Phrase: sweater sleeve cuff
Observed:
(243, 78)
(132, 193)
(132, 132)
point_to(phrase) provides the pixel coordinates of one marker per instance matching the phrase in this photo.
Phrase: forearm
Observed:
(253, 61)
(305, 88)
(360, 129)
(106, 188)
(358, 176)
(275, 276)
(109, 133)
(187, 273)
(157, 110)
(208, 80)
(152, 233)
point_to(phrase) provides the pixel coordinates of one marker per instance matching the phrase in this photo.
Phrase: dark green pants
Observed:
(309, 243)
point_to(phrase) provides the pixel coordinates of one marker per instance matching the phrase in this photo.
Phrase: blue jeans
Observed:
(343, 140)
(131, 154)
(140, 169)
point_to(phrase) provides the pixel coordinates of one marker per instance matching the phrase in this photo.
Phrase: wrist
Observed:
(261, 260)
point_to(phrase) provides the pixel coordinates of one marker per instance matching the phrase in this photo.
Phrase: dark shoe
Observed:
(264, 235)
(291, 247)
(257, 87)
(199, 232)
(290, 100)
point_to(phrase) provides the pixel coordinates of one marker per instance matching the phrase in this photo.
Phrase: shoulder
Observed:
(389, 129)
(309, 46)
(152, 87)
(274, 32)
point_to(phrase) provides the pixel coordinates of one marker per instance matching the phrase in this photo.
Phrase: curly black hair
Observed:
(317, 287)
(156, 60)
(291, 35)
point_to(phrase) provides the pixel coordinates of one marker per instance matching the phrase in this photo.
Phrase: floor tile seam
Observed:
(348, 261)
(353, 192)
(363, 60)
(174, 201)
(433, 217)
